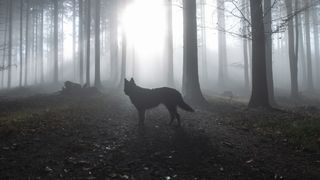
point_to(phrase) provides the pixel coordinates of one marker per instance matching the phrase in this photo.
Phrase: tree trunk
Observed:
(292, 56)
(123, 59)
(222, 45)
(41, 43)
(245, 50)
(268, 38)
(203, 41)
(97, 81)
(170, 75)
(55, 42)
(259, 96)
(81, 45)
(10, 43)
(191, 85)
(315, 20)
(21, 42)
(88, 42)
(74, 39)
(26, 66)
(114, 41)
(4, 44)
(308, 43)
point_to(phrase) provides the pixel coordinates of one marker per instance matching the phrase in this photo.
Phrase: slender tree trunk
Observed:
(88, 42)
(36, 45)
(302, 53)
(308, 43)
(170, 75)
(222, 45)
(41, 43)
(21, 42)
(245, 49)
(10, 43)
(315, 20)
(268, 38)
(81, 45)
(26, 66)
(97, 81)
(123, 59)
(5, 44)
(203, 41)
(191, 85)
(55, 42)
(114, 42)
(74, 39)
(260, 95)
(292, 55)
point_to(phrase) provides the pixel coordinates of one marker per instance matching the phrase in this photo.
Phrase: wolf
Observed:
(144, 99)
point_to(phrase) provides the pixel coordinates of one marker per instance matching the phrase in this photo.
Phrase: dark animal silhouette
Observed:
(144, 99)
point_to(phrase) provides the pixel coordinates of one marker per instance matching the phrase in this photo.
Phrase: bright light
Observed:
(144, 24)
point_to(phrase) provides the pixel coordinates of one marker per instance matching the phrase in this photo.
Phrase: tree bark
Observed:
(191, 85)
(259, 96)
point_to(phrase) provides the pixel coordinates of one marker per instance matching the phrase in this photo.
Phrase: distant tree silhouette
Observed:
(97, 81)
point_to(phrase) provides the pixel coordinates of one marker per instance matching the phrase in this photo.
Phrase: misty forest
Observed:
(159, 89)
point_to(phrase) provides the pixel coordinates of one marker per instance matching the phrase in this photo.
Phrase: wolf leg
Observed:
(142, 113)
(172, 114)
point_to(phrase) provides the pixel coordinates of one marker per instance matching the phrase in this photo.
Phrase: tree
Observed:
(55, 42)
(114, 54)
(308, 49)
(81, 45)
(245, 48)
(26, 66)
(259, 96)
(10, 43)
(222, 45)
(88, 25)
(170, 76)
(268, 38)
(292, 55)
(190, 84)
(97, 81)
(21, 42)
(315, 20)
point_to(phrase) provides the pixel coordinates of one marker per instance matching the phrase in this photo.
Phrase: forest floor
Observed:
(96, 136)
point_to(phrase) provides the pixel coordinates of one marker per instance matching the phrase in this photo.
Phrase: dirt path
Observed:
(97, 137)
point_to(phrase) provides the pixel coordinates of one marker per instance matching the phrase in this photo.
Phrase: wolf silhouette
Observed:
(144, 99)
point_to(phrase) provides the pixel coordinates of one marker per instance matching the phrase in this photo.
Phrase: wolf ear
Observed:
(132, 81)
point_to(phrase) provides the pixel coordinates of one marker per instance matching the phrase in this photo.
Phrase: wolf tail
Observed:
(185, 106)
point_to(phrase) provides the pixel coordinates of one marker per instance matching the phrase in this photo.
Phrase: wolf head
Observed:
(129, 86)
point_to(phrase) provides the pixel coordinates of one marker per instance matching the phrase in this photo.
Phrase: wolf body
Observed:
(144, 99)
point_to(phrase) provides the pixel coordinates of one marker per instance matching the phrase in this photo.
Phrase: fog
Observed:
(144, 25)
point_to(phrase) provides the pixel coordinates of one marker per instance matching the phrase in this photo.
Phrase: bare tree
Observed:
(259, 96)
(191, 85)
